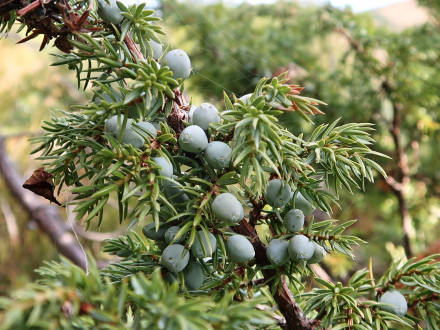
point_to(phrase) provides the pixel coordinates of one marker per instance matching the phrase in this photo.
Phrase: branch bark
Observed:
(47, 216)
(292, 312)
(400, 184)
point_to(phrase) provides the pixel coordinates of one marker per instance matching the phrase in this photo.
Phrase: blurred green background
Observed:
(370, 67)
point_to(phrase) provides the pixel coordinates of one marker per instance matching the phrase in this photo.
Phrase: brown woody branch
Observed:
(400, 183)
(292, 312)
(47, 216)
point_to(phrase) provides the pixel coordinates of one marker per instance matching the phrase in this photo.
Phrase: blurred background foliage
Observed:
(366, 70)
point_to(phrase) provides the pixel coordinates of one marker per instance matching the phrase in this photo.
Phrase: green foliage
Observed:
(69, 297)
(362, 70)
(146, 288)
(356, 303)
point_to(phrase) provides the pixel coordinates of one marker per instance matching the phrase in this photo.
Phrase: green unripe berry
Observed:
(397, 301)
(294, 220)
(175, 258)
(193, 274)
(109, 11)
(301, 248)
(204, 115)
(150, 231)
(226, 207)
(193, 139)
(218, 155)
(318, 255)
(278, 193)
(277, 252)
(166, 168)
(179, 63)
(238, 248)
(146, 128)
(201, 242)
(170, 234)
(303, 204)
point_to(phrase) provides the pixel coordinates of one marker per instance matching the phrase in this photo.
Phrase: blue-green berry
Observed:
(170, 234)
(201, 247)
(278, 193)
(179, 63)
(166, 168)
(277, 251)
(150, 231)
(303, 204)
(156, 49)
(193, 274)
(227, 207)
(109, 11)
(204, 115)
(218, 155)
(239, 249)
(294, 220)
(318, 255)
(146, 128)
(301, 248)
(397, 303)
(193, 139)
(175, 258)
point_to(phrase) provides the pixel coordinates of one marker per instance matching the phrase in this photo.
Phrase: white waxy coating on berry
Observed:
(246, 99)
(294, 220)
(226, 207)
(191, 113)
(204, 115)
(146, 128)
(109, 11)
(170, 234)
(193, 139)
(193, 274)
(210, 247)
(303, 204)
(175, 258)
(238, 248)
(132, 137)
(166, 168)
(301, 248)
(278, 193)
(398, 304)
(113, 125)
(277, 251)
(218, 154)
(150, 231)
(157, 49)
(318, 255)
(179, 63)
